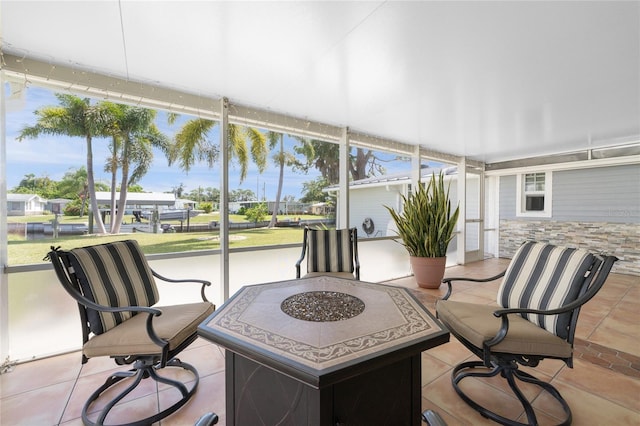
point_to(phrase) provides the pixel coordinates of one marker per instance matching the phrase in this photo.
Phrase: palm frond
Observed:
(259, 149)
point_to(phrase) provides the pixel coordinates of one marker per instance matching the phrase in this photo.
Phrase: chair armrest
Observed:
(304, 252)
(448, 281)
(102, 308)
(204, 283)
(356, 258)
(153, 312)
(298, 267)
(207, 419)
(503, 314)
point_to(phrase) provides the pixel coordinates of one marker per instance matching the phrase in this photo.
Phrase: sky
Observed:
(53, 156)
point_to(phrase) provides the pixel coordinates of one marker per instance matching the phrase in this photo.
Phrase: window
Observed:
(534, 194)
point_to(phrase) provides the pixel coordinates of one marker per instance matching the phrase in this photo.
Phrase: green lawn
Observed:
(21, 251)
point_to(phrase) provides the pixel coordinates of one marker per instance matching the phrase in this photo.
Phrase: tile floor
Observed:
(602, 388)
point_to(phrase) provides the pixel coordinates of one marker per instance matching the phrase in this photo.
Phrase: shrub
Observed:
(72, 209)
(256, 213)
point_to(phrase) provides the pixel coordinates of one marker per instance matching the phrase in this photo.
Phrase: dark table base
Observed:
(386, 395)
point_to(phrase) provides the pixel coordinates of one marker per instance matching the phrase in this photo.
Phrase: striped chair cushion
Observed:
(329, 250)
(543, 276)
(113, 274)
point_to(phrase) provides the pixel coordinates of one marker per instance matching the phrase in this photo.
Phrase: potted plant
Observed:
(426, 226)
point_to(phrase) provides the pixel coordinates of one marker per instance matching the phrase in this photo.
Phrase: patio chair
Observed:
(539, 300)
(330, 252)
(115, 290)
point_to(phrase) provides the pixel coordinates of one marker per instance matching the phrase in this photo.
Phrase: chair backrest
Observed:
(114, 274)
(544, 276)
(330, 250)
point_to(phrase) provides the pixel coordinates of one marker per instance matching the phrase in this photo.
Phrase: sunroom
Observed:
(534, 105)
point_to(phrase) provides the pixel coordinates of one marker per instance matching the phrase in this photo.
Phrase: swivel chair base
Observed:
(142, 369)
(510, 371)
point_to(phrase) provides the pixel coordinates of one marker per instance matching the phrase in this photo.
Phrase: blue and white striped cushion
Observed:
(329, 250)
(113, 274)
(543, 276)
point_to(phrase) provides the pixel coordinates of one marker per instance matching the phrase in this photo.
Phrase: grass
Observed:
(23, 252)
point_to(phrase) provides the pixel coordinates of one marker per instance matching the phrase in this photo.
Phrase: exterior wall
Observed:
(596, 209)
(369, 203)
(605, 194)
(16, 208)
(34, 206)
(619, 239)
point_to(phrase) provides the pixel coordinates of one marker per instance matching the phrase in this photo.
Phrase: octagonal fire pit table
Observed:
(323, 351)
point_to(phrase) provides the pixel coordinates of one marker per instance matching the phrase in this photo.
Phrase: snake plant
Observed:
(426, 224)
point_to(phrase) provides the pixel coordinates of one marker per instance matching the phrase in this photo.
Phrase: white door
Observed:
(472, 212)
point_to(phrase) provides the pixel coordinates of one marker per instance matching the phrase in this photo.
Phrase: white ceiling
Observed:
(492, 81)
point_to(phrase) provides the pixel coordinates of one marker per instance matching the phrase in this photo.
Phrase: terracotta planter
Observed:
(428, 271)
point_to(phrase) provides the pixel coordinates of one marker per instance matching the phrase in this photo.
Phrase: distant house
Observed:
(57, 205)
(25, 205)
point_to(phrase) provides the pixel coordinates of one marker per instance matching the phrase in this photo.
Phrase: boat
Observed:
(171, 214)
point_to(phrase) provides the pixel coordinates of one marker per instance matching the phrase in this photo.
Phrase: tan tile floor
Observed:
(603, 388)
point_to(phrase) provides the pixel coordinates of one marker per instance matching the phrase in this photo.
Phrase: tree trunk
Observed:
(276, 207)
(122, 202)
(92, 190)
(114, 177)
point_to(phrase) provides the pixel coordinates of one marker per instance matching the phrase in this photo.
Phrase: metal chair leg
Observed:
(510, 372)
(143, 369)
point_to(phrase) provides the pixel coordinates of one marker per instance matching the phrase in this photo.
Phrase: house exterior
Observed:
(57, 205)
(596, 208)
(592, 205)
(25, 205)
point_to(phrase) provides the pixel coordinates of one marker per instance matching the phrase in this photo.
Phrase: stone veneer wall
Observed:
(619, 239)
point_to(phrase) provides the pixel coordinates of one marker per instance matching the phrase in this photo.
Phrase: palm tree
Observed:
(74, 117)
(192, 144)
(282, 159)
(133, 135)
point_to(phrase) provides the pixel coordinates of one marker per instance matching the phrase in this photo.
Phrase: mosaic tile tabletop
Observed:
(391, 318)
